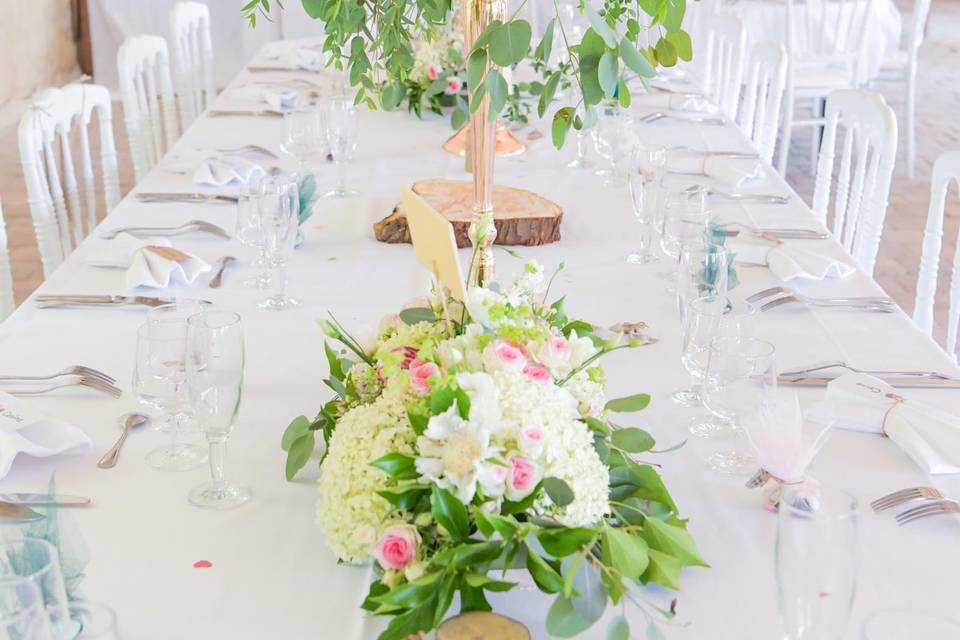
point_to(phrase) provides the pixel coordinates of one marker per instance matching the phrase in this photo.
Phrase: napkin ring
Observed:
(897, 401)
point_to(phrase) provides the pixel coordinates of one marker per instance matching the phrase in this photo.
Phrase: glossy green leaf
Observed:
(508, 507)
(633, 440)
(559, 491)
(663, 569)
(562, 542)
(666, 53)
(608, 73)
(562, 120)
(597, 426)
(628, 404)
(509, 43)
(673, 540)
(673, 15)
(681, 41)
(417, 314)
(418, 422)
(397, 466)
(547, 578)
(625, 552)
(333, 361)
(450, 513)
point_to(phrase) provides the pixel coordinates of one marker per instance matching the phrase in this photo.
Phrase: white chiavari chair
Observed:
(724, 60)
(147, 94)
(946, 169)
(192, 59)
(766, 77)
(825, 44)
(868, 128)
(901, 66)
(63, 211)
(6, 278)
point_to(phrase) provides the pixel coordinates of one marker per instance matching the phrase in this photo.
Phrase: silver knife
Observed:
(919, 383)
(260, 68)
(186, 197)
(44, 499)
(70, 300)
(257, 112)
(17, 513)
(795, 234)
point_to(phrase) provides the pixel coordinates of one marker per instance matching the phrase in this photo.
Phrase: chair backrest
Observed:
(766, 77)
(869, 129)
(63, 213)
(192, 59)
(723, 63)
(6, 278)
(921, 11)
(946, 169)
(827, 31)
(144, 74)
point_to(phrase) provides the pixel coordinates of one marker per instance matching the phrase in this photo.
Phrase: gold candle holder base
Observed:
(506, 144)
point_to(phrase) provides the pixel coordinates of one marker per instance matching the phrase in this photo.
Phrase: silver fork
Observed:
(897, 498)
(250, 147)
(660, 115)
(839, 364)
(926, 509)
(789, 295)
(79, 370)
(72, 381)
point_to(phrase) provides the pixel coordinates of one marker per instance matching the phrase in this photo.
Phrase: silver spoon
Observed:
(218, 276)
(130, 422)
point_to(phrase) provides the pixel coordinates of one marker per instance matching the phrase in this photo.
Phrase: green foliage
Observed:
(450, 513)
(636, 402)
(417, 314)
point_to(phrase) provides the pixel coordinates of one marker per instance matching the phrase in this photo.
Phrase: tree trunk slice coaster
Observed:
(521, 217)
(482, 625)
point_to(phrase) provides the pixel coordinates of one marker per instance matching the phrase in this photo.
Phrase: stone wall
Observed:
(38, 47)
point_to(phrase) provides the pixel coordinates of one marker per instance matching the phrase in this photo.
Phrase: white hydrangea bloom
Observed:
(588, 394)
(567, 446)
(349, 504)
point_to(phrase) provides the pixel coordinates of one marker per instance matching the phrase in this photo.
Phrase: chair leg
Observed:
(911, 123)
(785, 132)
(819, 109)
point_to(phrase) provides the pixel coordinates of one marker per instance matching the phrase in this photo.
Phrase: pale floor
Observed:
(938, 129)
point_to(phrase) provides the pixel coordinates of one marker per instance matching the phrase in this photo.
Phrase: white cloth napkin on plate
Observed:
(787, 261)
(299, 57)
(860, 402)
(145, 267)
(24, 431)
(281, 98)
(675, 102)
(733, 172)
(221, 170)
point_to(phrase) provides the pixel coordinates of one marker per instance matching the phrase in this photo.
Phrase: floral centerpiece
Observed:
(468, 439)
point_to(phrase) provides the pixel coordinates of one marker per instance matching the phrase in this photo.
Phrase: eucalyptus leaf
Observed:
(607, 73)
(562, 120)
(590, 597)
(680, 39)
(600, 25)
(543, 50)
(666, 52)
(628, 404)
(559, 491)
(498, 90)
(299, 426)
(417, 314)
(564, 621)
(633, 440)
(618, 629)
(299, 453)
(476, 67)
(509, 43)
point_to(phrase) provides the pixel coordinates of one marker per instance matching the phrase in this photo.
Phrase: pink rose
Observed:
(397, 547)
(420, 374)
(433, 72)
(531, 440)
(555, 353)
(504, 354)
(454, 84)
(538, 373)
(409, 356)
(522, 476)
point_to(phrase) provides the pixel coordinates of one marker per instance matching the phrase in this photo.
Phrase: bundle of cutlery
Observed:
(187, 227)
(731, 229)
(776, 296)
(37, 387)
(932, 503)
(187, 197)
(81, 300)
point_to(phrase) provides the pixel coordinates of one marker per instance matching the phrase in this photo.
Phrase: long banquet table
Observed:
(271, 574)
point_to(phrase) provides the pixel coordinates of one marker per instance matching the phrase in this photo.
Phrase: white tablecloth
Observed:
(272, 576)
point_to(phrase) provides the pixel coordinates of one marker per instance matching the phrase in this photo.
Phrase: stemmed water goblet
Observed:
(158, 383)
(683, 219)
(647, 166)
(279, 225)
(304, 137)
(740, 375)
(249, 234)
(582, 141)
(215, 383)
(816, 562)
(704, 270)
(342, 126)
(614, 139)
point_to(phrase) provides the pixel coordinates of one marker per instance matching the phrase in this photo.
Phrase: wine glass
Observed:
(816, 562)
(740, 376)
(704, 270)
(614, 139)
(342, 125)
(22, 612)
(171, 320)
(279, 224)
(215, 383)
(37, 562)
(683, 219)
(903, 624)
(582, 141)
(704, 319)
(647, 166)
(249, 234)
(158, 383)
(303, 135)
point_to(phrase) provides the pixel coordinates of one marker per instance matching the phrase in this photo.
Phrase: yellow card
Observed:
(433, 242)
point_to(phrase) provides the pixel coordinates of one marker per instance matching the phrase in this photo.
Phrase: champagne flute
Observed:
(740, 376)
(248, 232)
(647, 167)
(158, 383)
(816, 562)
(614, 138)
(303, 135)
(342, 126)
(22, 612)
(37, 562)
(279, 224)
(215, 382)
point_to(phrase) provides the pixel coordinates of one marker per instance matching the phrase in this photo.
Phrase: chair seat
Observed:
(895, 60)
(822, 78)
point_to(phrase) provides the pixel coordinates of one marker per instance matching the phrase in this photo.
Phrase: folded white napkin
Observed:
(281, 98)
(861, 402)
(145, 266)
(676, 102)
(221, 170)
(787, 261)
(299, 57)
(733, 172)
(25, 431)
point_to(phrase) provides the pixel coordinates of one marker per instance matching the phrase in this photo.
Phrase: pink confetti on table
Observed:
(202, 564)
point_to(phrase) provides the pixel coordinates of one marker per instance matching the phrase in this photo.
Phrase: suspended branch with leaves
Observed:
(372, 41)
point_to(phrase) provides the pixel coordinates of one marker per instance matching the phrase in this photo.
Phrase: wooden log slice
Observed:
(521, 217)
(481, 625)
